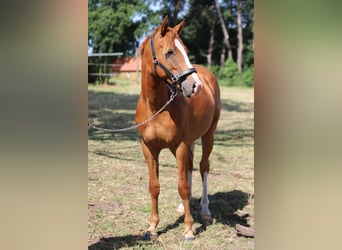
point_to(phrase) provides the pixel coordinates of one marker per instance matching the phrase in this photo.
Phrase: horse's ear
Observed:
(178, 28)
(164, 25)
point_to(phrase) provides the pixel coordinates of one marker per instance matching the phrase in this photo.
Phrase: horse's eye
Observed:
(169, 53)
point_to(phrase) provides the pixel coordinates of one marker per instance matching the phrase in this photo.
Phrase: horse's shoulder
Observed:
(208, 78)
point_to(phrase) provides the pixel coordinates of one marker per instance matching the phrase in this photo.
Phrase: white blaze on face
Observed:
(186, 59)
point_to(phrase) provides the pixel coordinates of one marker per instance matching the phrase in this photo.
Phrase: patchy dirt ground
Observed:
(118, 198)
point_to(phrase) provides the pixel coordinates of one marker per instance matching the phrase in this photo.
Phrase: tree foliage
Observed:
(115, 25)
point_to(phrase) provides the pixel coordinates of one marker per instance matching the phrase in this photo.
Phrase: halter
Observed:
(176, 79)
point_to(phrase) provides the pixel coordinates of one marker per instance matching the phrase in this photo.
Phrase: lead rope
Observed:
(172, 97)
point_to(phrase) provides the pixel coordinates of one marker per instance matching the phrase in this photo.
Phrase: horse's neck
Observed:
(154, 91)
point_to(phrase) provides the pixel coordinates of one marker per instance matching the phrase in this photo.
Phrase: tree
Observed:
(209, 54)
(224, 30)
(199, 32)
(248, 33)
(239, 37)
(115, 25)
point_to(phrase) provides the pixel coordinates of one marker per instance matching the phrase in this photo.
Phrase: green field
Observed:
(118, 197)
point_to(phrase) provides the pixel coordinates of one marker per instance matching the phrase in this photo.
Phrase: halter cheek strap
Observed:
(176, 79)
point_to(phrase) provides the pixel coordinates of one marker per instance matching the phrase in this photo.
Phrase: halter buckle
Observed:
(175, 78)
(155, 60)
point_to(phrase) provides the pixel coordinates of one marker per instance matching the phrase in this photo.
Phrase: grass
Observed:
(118, 198)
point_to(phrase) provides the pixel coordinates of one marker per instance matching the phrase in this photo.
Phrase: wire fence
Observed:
(102, 70)
(105, 54)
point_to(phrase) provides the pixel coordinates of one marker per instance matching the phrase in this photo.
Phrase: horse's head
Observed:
(171, 61)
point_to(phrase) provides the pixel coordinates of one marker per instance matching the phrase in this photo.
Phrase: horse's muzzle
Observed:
(190, 88)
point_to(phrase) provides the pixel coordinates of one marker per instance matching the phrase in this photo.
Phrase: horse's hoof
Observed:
(147, 236)
(150, 236)
(207, 219)
(188, 238)
(188, 235)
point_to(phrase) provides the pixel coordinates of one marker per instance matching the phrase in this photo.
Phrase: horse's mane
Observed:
(142, 46)
(146, 39)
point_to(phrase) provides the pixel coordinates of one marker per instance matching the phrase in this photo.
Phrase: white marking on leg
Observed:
(180, 207)
(187, 61)
(205, 201)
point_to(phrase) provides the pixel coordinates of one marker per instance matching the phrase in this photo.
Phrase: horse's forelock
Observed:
(167, 44)
(169, 39)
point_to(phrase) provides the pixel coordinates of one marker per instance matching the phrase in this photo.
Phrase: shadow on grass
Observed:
(112, 111)
(234, 137)
(223, 206)
(111, 243)
(230, 105)
(116, 111)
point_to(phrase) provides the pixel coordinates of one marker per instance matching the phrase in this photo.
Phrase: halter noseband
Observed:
(175, 78)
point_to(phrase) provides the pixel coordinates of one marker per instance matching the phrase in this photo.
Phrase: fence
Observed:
(101, 70)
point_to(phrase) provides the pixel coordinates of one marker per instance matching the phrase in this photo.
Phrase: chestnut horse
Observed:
(166, 72)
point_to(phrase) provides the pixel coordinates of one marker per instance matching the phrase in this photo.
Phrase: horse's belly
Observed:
(199, 127)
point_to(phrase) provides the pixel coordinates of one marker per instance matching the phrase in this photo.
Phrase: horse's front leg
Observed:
(182, 154)
(154, 188)
(180, 208)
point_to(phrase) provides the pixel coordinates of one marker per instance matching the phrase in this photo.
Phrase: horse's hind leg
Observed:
(154, 188)
(207, 146)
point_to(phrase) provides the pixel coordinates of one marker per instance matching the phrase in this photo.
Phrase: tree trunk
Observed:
(239, 37)
(224, 30)
(177, 5)
(211, 42)
(222, 57)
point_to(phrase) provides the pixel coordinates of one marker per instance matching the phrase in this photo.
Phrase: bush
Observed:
(248, 77)
(215, 69)
(228, 73)
(230, 76)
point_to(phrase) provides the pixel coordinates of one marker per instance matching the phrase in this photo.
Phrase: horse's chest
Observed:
(162, 130)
